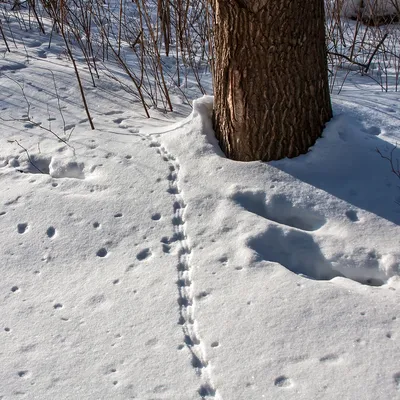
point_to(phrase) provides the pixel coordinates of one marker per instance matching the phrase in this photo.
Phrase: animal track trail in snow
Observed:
(186, 298)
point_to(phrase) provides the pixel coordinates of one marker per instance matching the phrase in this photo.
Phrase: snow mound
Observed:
(66, 168)
(203, 107)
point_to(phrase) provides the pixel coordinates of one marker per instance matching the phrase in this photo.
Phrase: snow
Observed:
(369, 8)
(138, 262)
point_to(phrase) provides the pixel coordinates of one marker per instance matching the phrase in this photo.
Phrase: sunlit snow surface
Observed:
(138, 262)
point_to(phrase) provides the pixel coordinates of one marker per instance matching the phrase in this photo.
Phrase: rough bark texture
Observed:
(271, 79)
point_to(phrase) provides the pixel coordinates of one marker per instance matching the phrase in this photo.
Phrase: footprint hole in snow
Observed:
(373, 130)
(156, 217)
(177, 220)
(166, 248)
(396, 378)
(22, 228)
(143, 254)
(282, 381)
(279, 208)
(352, 215)
(298, 252)
(102, 252)
(130, 267)
(184, 302)
(329, 358)
(202, 294)
(206, 390)
(51, 232)
(196, 362)
(178, 205)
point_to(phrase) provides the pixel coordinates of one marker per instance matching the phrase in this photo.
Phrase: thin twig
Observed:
(29, 157)
(395, 168)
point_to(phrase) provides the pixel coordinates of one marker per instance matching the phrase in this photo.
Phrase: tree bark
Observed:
(271, 91)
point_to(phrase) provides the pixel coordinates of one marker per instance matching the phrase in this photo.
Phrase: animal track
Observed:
(298, 252)
(22, 228)
(102, 252)
(373, 130)
(118, 120)
(51, 232)
(396, 378)
(282, 382)
(352, 215)
(142, 255)
(279, 209)
(329, 358)
(186, 299)
(113, 112)
(295, 250)
(156, 217)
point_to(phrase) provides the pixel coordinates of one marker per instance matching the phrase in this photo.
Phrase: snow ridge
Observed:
(186, 299)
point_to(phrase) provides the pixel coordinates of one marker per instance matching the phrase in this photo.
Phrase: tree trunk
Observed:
(270, 78)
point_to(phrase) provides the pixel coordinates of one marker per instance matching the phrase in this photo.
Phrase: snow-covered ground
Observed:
(137, 262)
(368, 8)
